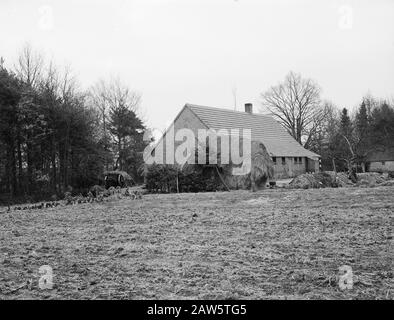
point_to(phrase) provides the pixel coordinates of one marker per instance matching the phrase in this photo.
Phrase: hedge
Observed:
(193, 178)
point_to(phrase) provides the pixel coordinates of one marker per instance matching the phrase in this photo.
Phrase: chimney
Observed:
(248, 107)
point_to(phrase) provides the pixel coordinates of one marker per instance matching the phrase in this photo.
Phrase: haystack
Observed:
(262, 166)
(314, 180)
(371, 179)
(255, 177)
(262, 170)
(340, 178)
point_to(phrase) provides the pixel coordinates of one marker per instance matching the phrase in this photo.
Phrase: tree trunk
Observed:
(20, 164)
(177, 181)
(29, 167)
(120, 153)
(12, 162)
(105, 140)
(7, 170)
(61, 177)
(53, 162)
(334, 167)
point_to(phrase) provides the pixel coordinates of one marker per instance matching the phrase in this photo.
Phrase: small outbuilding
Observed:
(381, 161)
(117, 179)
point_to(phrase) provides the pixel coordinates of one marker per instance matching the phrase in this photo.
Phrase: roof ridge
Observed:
(266, 128)
(227, 110)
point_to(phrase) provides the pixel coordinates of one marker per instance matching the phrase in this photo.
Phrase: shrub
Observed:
(193, 178)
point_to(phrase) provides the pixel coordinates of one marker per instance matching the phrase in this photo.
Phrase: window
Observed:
(283, 160)
(274, 160)
(297, 160)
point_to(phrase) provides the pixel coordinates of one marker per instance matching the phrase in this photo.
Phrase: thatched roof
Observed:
(124, 174)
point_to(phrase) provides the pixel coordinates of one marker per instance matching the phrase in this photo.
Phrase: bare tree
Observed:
(114, 98)
(28, 69)
(30, 66)
(107, 95)
(98, 96)
(297, 105)
(119, 95)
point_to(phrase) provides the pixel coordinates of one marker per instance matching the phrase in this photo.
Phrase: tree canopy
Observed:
(51, 137)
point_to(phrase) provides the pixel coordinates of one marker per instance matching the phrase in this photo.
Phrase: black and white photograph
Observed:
(217, 152)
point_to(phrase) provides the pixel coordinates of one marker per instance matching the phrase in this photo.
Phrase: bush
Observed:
(193, 178)
(161, 178)
(318, 180)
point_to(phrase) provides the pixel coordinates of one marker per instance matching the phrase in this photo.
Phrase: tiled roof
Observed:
(266, 129)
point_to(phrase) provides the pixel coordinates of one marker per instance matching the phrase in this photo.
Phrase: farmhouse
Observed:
(289, 157)
(381, 161)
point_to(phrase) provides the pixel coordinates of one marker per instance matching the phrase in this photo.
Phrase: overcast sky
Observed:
(174, 52)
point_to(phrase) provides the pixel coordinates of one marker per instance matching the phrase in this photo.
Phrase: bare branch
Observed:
(296, 104)
(30, 66)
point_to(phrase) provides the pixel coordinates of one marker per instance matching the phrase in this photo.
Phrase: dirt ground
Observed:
(273, 244)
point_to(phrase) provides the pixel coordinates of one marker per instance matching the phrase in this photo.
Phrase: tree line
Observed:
(344, 139)
(56, 137)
